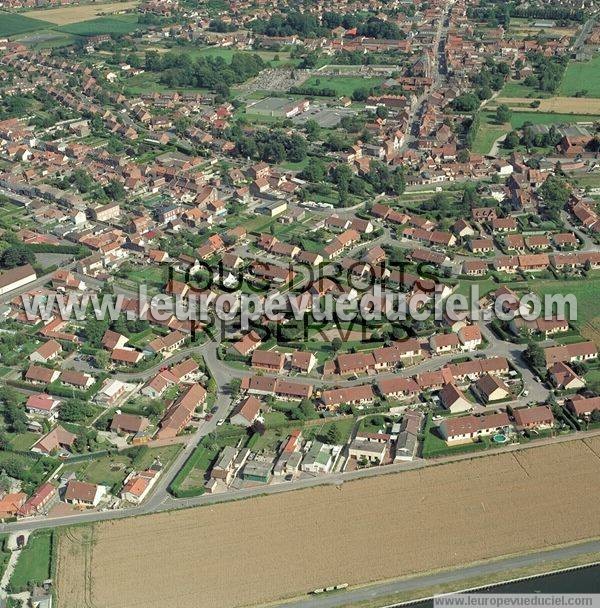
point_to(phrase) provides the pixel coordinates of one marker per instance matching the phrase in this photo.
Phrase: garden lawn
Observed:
(582, 76)
(434, 446)
(22, 442)
(319, 431)
(485, 286)
(33, 564)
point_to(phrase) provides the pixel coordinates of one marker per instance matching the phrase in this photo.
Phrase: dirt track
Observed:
(384, 527)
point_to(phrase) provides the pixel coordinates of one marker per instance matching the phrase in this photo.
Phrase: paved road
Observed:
(455, 577)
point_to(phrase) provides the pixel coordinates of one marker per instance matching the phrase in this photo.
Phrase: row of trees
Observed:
(308, 26)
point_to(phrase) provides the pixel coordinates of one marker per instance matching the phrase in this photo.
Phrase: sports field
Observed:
(74, 14)
(286, 545)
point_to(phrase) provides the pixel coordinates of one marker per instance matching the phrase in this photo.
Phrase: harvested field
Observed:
(567, 105)
(74, 14)
(379, 528)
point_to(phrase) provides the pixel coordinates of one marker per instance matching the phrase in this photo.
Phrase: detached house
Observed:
(46, 352)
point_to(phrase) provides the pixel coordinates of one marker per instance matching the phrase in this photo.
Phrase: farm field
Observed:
(12, 24)
(565, 105)
(509, 493)
(582, 76)
(342, 85)
(74, 14)
(117, 24)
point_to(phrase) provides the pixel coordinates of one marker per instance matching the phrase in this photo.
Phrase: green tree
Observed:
(512, 140)
(307, 407)
(503, 113)
(74, 410)
(115, 190)
(535, 355)
(94, 330)
(16, 255)
(334, 435)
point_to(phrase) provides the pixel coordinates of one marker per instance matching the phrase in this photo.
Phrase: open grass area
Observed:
(489, 131)
(276, 59)
(519, 89)
(34, 562)
(342, 85)
(518, 119)
(151, 276)
(119, 24)
(586, 294)
(580, 77)
(46, 39)
(12, 24)
(66, 15)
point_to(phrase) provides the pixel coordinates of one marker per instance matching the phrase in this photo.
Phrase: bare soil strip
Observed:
(285, 545)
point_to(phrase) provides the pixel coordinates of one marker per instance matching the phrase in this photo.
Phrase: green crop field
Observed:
(117, 24)
(12, 24)
(581, 77)
(343, 85)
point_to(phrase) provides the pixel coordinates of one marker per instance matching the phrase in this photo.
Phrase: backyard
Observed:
(34, 563)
